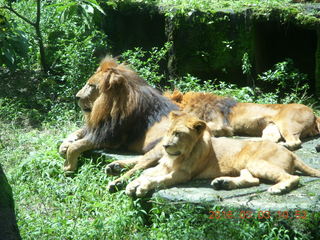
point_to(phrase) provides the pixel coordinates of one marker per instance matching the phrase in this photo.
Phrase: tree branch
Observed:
(19, 15)
(37, 28)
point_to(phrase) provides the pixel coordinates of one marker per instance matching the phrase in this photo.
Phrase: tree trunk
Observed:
(43, 61)
(8, 223)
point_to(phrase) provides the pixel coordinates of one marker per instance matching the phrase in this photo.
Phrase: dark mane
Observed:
(206, 106)
(147, 106)
(225, 106)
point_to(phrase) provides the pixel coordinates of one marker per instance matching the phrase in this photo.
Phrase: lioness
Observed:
(226, 117)
(188, 151)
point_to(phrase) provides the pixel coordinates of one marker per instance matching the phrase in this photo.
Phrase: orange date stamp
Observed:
(247, 214)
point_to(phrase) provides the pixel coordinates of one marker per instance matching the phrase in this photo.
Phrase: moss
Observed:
(306, 14)
(207, 44)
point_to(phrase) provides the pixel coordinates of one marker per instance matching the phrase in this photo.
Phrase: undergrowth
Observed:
(50, 205)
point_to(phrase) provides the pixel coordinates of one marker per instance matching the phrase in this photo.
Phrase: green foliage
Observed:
(72, 51)
(85, 9)
(147, 63)
(246, 65)
(191, 83)
(291, 86)
(13, 42)
(288, 81)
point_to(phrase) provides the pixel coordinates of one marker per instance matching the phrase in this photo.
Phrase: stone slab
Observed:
(305, 197)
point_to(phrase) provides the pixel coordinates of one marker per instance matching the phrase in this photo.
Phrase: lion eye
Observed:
(92, 85)
(177, 134)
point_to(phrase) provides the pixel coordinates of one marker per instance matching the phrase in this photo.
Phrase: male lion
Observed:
(121, 111)
(226, 117)
(188, 151)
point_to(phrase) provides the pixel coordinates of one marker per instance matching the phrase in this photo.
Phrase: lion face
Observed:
(183, 133)
(86, 96)
(98, 83)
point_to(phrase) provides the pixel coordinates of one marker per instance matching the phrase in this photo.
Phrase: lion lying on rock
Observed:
(226, 117)
(188, 151)
(121, 112)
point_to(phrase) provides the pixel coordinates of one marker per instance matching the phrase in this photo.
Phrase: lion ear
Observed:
(116, 79)
(174, 114)
(199, 126)
(113, 79)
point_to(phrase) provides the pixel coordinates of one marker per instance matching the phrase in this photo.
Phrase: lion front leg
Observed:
(69, 140)
(148, 160)
(73, 152)
(116, 167)
(139, 164)
(244, 180)
(151, 180)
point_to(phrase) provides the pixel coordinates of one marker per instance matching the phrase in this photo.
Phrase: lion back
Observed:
(205, 106)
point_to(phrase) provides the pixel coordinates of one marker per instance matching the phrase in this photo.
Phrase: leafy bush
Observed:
(72, 51)
(147, 63)
(290, 84)
(13, 42)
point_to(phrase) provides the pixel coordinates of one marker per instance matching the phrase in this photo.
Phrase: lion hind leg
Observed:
(285, 185)
(73, 153)
(291, 136)
(244, 180)
(264, 170)
(271, 132)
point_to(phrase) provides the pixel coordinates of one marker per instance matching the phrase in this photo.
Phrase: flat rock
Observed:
(305, 197)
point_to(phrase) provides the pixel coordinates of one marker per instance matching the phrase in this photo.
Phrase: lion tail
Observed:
(304, 168)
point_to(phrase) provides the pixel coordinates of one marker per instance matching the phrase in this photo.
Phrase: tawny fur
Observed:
(290, 122)
(188, 151)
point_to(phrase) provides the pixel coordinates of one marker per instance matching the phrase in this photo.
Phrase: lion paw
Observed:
(291, 145)
(278, 190)
(63, 149)
(222, 183)
(115, 186)
(68, 167)
(136, 189)
(113, 169)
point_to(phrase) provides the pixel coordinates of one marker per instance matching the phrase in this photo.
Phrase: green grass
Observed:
(50, 205)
